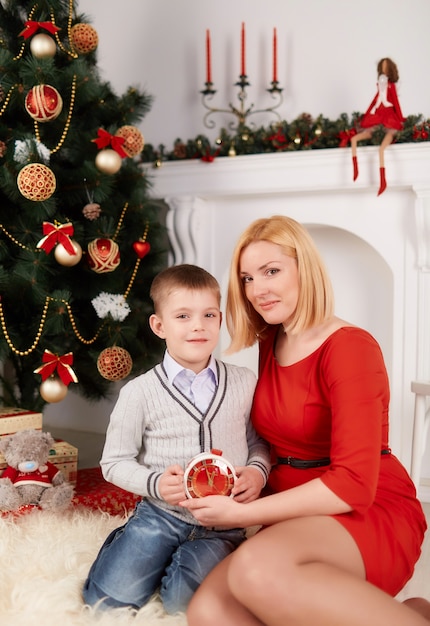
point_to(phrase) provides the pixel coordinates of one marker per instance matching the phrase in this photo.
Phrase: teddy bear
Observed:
(29, 478)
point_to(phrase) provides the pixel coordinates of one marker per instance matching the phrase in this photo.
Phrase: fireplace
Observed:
(377, 249)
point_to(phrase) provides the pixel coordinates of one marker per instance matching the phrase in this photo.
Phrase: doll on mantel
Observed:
(383, 110)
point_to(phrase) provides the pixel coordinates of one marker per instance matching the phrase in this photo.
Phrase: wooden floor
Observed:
(90, 446)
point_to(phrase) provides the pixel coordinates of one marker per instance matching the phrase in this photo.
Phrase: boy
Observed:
(188, 404)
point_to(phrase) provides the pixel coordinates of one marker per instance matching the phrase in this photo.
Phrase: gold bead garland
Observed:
(120, 221)
(38, 334)
(136, 267)
(7, 99)
(21, 52)
(72, 51)
(67, 124)
(43, 317)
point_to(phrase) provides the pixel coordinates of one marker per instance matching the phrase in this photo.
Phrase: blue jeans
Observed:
(155, 551)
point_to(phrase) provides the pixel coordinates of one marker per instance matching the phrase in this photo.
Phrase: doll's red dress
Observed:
(334, 403)
(384, 108)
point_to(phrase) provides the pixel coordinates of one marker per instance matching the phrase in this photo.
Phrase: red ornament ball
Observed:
(103, 255)
(36, 182)
(43, 103)
(133, 140)
(114, 363)
(84, 38)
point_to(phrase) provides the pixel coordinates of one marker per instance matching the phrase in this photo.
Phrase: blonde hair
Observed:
(182, 276)
(315, 302)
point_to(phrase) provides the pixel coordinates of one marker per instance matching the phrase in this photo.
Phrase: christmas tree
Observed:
(80, 240)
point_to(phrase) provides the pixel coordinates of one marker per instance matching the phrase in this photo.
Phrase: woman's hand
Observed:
(216, 511)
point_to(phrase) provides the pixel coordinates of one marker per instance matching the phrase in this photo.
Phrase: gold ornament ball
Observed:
(43, 46)
(63, 257)
(108, 161)
(53, 389)
(43, 103)
(84, 38)
(133, 140)
(114, 363)
(36, 182)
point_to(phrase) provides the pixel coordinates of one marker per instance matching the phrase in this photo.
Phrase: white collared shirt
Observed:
(198, 388)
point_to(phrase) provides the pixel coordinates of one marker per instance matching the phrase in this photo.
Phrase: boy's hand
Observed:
(249, 484)
(171, 485)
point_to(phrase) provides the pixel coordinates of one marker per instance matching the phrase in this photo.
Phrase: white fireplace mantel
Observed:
(377, 248)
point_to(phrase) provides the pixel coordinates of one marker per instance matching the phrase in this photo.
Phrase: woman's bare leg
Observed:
(420, 605)
(309, 571)
(214, 605)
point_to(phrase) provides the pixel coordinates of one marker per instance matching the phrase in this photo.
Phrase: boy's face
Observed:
(189, 321)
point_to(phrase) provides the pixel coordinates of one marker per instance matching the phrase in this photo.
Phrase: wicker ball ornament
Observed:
(84, 38)
(36, 182)
(103, 255)
(133, 140)
(43, 103)
(114, 363)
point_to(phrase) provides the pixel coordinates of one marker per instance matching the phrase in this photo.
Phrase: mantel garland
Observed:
(303, 133)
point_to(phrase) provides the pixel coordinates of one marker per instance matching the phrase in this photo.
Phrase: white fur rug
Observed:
(44, 560)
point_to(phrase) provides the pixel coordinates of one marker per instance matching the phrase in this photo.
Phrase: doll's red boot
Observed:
(355, 167)
(383, 182)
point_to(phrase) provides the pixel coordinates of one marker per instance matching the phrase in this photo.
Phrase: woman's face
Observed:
(271, 282)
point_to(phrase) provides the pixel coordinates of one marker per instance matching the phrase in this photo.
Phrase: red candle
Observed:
(242, 52)
(208, 57)
(275, 57)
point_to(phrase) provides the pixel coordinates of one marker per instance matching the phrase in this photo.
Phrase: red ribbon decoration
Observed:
(60, 363)
(32, 27)
(57, 234)
(106, 139)
(345, 137)
(420, 133)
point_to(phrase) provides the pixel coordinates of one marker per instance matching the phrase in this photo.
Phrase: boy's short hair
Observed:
(184, 276)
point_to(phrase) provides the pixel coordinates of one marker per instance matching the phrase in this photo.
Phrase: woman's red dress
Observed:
(334, 403)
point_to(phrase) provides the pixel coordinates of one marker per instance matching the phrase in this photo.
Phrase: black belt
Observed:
(302, 464)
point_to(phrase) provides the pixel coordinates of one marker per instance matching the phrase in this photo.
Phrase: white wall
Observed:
(327, 56)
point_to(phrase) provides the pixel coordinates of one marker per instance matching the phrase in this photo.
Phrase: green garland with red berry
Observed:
(303, 133)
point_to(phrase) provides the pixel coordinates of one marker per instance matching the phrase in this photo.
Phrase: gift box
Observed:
(94, 492)
(13, 419)
(63, 455)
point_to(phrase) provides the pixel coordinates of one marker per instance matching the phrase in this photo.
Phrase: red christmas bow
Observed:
(57, 234)
(106, 139)
(62, 364)
(32, 27)
(420, 133)
(345, 137)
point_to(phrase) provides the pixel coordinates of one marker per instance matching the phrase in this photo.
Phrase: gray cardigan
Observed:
(154, 425)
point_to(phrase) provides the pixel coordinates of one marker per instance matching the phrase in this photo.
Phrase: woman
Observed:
(342, 524)
(383, 110)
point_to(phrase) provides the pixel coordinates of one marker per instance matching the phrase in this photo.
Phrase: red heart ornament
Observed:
(141, 248)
